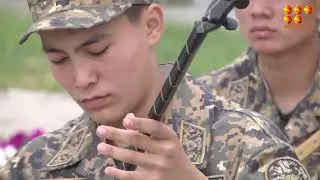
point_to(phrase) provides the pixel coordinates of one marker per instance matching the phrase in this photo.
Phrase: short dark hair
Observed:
(134, 12)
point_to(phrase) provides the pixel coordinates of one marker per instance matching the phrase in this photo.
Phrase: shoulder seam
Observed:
(252, 118)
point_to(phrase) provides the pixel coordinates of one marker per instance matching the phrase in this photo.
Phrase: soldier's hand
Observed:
(164, 157)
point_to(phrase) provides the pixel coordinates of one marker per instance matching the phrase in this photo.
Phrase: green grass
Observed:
(26, 66)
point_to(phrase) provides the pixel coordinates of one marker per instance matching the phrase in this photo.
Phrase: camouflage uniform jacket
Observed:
(223, 142)
(243, 83)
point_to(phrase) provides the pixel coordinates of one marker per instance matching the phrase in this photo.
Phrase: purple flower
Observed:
(3, 144)
(18, 139)
(35, 133)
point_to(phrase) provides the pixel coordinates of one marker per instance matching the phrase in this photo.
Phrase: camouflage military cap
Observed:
(74, 14)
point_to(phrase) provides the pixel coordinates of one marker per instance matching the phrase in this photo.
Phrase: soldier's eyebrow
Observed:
(51, 50)
(91, 40)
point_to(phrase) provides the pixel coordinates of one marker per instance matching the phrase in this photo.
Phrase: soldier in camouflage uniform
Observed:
(278, 75)
(100, 52)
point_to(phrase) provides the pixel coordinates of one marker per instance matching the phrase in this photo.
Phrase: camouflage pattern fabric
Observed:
(61, 14)
(242, 83)
(222, 140)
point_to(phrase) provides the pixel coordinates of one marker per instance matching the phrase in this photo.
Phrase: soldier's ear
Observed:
(154, 23)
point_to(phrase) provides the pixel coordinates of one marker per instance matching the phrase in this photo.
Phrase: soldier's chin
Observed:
(266, 47)
(106, 117)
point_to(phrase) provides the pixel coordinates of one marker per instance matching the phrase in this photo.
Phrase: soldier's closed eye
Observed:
(98, 51)
(60, 61)
(56, 56)
(56, 59)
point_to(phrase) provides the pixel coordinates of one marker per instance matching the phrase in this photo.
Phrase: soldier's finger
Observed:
(129, 137)
(126, 155)
(154, 128)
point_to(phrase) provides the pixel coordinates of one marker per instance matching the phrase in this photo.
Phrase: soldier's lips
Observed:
(262, 31)
(96, 102)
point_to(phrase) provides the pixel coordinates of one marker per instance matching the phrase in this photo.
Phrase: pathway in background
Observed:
(189, 13)
(26, 110)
